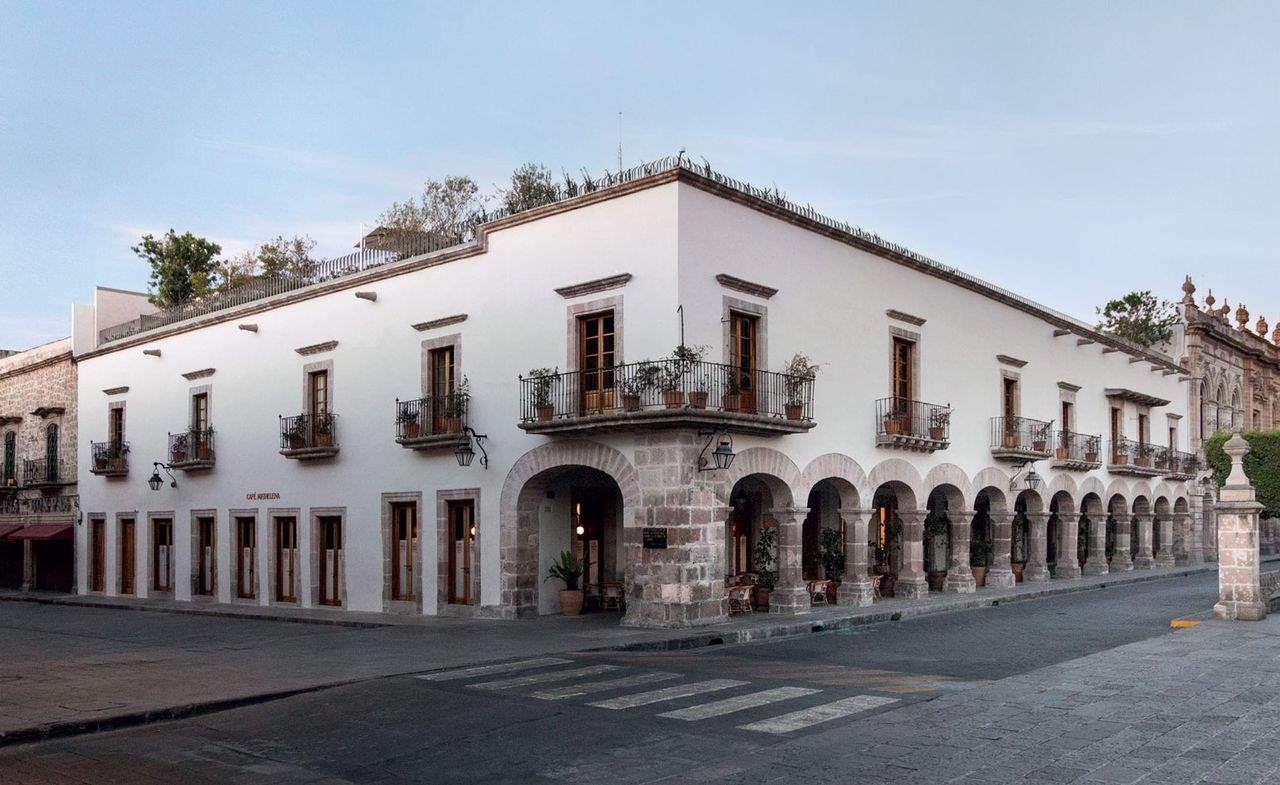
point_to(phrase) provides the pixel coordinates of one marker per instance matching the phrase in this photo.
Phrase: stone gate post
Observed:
(1240, 596)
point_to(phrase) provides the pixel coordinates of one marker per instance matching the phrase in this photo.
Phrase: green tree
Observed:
(183, 267)
(531, 186)
(1139, 317)
(238, 270)
(447, 209)
(292, 257)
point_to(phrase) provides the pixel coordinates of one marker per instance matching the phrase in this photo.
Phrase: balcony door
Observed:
(115, 430)
(404, 529)
(1117, 450)
(743, 357)
(10, 458)
(127, 555)
(330, 560)
(51, 453)
(200, 426)
(441, 386)
(595, 362)
(462, 538)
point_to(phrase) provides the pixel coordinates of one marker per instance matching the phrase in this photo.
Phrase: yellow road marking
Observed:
(1183, 623)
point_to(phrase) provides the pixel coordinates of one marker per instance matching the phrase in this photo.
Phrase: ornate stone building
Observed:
(38, 501)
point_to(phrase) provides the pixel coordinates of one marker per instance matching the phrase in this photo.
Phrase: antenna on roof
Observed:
(619, 142)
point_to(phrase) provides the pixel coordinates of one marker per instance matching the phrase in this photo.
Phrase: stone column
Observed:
(1000, 576)
(790, 594)
(1195, 542)
(912, 583)
(855, 586)
(28, 565)
(1096, 562)
(1240, 594)
(959, 575)
(1181, 539)
(1121, 559)
(1144, 560)
(1068, 565)
(1037, 569)
(1165, 558)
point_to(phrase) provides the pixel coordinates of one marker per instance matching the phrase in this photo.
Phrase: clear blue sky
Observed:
(1067, 151)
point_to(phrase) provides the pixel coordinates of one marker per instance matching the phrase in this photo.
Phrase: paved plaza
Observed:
(1089, 687)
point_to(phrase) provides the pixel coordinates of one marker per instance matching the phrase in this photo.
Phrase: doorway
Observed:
(592, 510)
(330, 527)
(404, 531)
(246, 558)
(97, 578)
(286, 559)
(162, 554)
(462, 537)
(128, 555)
(205, 575)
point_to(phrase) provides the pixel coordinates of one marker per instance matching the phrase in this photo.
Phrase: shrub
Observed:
(1262, 464)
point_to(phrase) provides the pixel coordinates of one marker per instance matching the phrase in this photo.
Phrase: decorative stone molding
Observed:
(594, 286)
(904, 317)
(1142, 399)
(115, 390)
(44, 412)
(10, 419)
(1005, 359)
(200, 374)
(1084, 341)
(1061, 331)
(443, 321)
(1069, 387)
(746, 287)
(317, 348)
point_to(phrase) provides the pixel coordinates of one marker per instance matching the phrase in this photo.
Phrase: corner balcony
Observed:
(1076, 452)
(430, 423)
(667, 394)
(904, 424)
(1020, 439)
(1182, 466)
(192, 450)
(309, 437)
(43, 473)
(1134, 459)
(110, 459)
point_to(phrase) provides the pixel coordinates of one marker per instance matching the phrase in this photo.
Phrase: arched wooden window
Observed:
(10, 458)
(51, 452)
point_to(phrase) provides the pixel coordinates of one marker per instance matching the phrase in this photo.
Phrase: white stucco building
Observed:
(313, 431)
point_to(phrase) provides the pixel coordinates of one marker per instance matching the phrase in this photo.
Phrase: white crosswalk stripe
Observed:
(796, 720)
(740, 703)
(577, 690)
(666, 694)
(486, 670)
(539, 678)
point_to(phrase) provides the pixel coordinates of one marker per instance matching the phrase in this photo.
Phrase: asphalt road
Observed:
(617, 717)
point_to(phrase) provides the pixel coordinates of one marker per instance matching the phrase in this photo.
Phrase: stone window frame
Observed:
(573, 313)
(120, 518)
(1173, 422)
(150, 576)
(728, 306)
(431, 344)
(443, 497)
(388, 604)
(4, 441)
(233, 515)
(274, 513)
(1016, 377)
(916, 340)
(315, 367)
(314, 515)
(194, 554)
(192, 392)
(124, 421)
(1067, 394)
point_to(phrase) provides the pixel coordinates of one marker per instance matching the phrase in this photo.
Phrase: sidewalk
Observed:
(84, 666)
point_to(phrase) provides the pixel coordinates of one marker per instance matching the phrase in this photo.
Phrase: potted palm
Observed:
(1040, 438)
(1091, 449)
(644, 376)
(568, 568)
(935, 534)
(407, 419)
(178, 450)
(763, 557)
(540, 380)
(297, 433)
(979, 555)
(324, 430)
(799, 374)
(455, 407)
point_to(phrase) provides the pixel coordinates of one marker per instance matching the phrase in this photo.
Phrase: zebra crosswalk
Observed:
(563, 679)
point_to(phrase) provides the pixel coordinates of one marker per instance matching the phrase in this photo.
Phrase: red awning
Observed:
(43, 531)
(7, 528)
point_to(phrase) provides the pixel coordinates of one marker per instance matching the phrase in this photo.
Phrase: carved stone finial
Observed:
(1242, 318)
(1224, 313)
(1262, 327)
(1237, 448)
(1188, 290)
(1275, 336)
(1209, 301)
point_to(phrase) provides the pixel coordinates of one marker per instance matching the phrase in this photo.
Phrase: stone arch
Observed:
(850, 478)
(1118, 504)
(1161, 489)
(1091, 504)
(1162, 507)
(1181, 506)
(895, 471)
(1062, 483)
(522, 494)
(787, 486)
(993, 484)
(1117, 488)
(1141, 504)
(953, 483)
(1033, 499)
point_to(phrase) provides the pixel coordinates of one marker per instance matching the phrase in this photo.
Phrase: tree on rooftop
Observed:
(447, 210)
(183, 267)
(292, 257)
(531, 186)
(1140, 318)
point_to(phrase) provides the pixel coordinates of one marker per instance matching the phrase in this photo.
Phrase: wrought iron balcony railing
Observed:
(1077, 450)
(1182, 465)
(192, 449)
(434, 418)
(904, 421)
(1020, 436)
(307, 435)
(666, 385)
(1128, 456)
(110, 458)
(42, 471)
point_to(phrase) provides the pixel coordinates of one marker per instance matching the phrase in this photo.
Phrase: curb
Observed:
(194, 611)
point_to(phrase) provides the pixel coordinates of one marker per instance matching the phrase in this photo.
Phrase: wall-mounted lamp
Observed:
(1031, 479)
(722, 456)
(156, 480)
(465, 453)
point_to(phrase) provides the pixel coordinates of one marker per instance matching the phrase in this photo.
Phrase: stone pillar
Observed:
(790, 594)
(1068, 565)
(28, 565)
(1096, 562)
(912, 583)
(1144, 559)
(1165, 558)
(1037, 569)
(1181, 539)
(1121, 559)
(1209, 525)
(1195, 525)
(855, 586)
(959, 575)
(1240, 596)
(1000, 576)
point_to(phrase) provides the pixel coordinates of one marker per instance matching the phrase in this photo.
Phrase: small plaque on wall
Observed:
(655, 537)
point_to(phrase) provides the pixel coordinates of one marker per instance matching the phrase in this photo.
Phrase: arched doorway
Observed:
(829, 528)
(1027, 547)
(582, 514)
(886, 536)
(945, 508)
(757, 547)
(990, 539)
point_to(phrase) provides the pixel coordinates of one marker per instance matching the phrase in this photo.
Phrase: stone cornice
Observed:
(902, 316)
(200, 374)
(1069, 387)
(115, 390)
(1142, 399)
(443, 321)
(745, 286)
(35, 366)
(1005, 359)
(317, 348)
(593, 286)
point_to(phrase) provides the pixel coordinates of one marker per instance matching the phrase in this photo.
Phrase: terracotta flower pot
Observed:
(761, 596)
(936, 578)
(179, 456)
(937, 432)
(698, 400)
(674, 399)
(630, 403)
(1017, 571)
(412, 429)
(571, 602)
(450, 424)
(1091, 457)
(545, 412)
(794, 410)
(1039, 446)
(731, 402)
(979, 575)
(1062, 453)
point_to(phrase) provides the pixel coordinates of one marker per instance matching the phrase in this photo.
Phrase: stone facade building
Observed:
(38, 501)
(616, 375)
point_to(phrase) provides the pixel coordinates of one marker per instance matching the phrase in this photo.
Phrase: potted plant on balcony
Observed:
(644, 376)
(540, 381)
(455, 407)
(1162, 459)
(698, 395)
(567, 569)
(939, 419)
(1011, 440)
(731, 399)
(324, 430)
(979, 555)
(1040, 437)
(178, 449)
(407, 417)
(1119, 454)
(763, 555)
(1091, 449)
(297, 433)
(799, 374)
(1063, 450)
(1143, 456)
(683, 360)
(204, 450)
